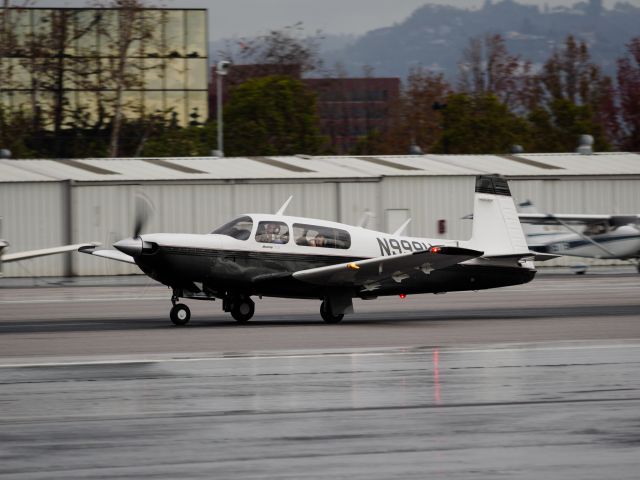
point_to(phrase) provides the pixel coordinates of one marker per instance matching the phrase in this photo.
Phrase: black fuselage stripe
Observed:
(212, 253)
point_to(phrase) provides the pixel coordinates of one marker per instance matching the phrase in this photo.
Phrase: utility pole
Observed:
(222, 68)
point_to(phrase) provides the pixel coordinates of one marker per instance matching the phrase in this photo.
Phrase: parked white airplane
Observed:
(582, 235)
(292, 257)
(14, 257)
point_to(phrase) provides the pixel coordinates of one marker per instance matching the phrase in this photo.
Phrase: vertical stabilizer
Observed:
(496, 227)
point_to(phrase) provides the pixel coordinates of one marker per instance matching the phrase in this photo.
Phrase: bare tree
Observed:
(487, 67)
(287, 46)
(629, 92)
(133, 29)
(414, 121)
(9, 40)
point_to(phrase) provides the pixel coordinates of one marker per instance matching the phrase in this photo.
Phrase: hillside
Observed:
(435, 36)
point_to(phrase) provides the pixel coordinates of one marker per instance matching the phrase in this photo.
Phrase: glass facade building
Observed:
(69, 64)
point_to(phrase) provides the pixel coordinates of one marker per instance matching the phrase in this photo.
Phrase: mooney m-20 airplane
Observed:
(582, 235)
(292, 257)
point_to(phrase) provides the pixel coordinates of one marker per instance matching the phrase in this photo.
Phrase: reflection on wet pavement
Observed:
(561, 411)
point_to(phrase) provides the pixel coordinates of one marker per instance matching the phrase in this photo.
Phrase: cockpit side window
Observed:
(238, 228)
(317, 236)
(272, 232)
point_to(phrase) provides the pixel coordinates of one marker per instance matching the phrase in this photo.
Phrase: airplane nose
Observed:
(130, 246)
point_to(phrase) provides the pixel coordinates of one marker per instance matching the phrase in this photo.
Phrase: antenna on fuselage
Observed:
(284, 206)
(402, 227)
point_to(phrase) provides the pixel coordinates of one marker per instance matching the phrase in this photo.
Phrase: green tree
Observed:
(557, 127)
(272, 116)
(173, 141)
(577, 98)
(480, 125)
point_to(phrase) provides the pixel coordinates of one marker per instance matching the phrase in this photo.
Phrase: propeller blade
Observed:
(143, 211)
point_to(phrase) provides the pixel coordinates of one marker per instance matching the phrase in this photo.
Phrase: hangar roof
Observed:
(316, 167)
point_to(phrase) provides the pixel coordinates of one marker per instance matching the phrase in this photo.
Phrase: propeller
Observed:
(135, 246)
(143, 212)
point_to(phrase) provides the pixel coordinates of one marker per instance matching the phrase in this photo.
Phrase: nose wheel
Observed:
(180, 314)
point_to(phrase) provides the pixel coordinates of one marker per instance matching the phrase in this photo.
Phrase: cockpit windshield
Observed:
(238, 228)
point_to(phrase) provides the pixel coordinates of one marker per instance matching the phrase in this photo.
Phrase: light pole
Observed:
(222, 68)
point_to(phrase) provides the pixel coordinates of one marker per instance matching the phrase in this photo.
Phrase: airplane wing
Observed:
(14, 257)
(106, 253)
(577, 219)
(394, 267)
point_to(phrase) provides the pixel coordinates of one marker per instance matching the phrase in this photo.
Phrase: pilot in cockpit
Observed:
(271, 233)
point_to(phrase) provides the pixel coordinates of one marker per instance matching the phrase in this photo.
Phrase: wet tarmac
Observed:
(528, 382)
(561, 411)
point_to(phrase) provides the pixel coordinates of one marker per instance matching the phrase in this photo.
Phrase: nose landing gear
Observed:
(179, 313)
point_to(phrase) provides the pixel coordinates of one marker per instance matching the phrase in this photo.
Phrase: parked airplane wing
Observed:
(14, 257)
(577, 219)
(106, 253)
(381, 268)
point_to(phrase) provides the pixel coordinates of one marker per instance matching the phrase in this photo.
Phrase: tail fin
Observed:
(496, 227)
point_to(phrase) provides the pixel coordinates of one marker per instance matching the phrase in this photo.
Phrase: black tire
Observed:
(180, 314)
(327, 315)
(242, 309)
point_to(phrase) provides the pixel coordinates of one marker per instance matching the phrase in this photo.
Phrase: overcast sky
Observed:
(228, 18)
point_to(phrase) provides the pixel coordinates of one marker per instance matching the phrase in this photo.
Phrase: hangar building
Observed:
(54, 202)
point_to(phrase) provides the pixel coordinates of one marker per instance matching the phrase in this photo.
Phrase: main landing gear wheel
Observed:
(242, 309)
(327, 315)
(180, 314)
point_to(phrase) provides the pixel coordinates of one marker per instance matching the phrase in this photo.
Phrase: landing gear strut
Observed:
(241, 308)
(327, 314)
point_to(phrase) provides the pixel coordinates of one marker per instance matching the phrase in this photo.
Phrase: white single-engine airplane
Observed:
(582, 235)
(292, 257)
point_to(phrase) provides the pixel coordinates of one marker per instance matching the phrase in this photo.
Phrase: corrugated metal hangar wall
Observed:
(38, 213)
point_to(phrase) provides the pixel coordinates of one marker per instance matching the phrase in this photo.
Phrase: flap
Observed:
(380, 268)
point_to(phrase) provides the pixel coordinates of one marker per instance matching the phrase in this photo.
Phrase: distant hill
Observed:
(435, 36)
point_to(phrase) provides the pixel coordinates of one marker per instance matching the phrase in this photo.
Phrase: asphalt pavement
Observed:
(528, 382)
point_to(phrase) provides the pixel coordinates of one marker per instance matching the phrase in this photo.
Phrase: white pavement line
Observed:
(256, 356)
(82, 300)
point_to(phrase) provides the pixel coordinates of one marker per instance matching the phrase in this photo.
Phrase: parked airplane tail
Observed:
(532, 231)
(496, 227)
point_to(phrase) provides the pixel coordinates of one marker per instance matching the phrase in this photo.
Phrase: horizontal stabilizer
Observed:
(537, 256)
(383, 268)
(106, 253)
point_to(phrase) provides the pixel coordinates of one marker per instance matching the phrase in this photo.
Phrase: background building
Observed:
(352, 108)
(349, 108)
(62, 64)
(53, 202)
